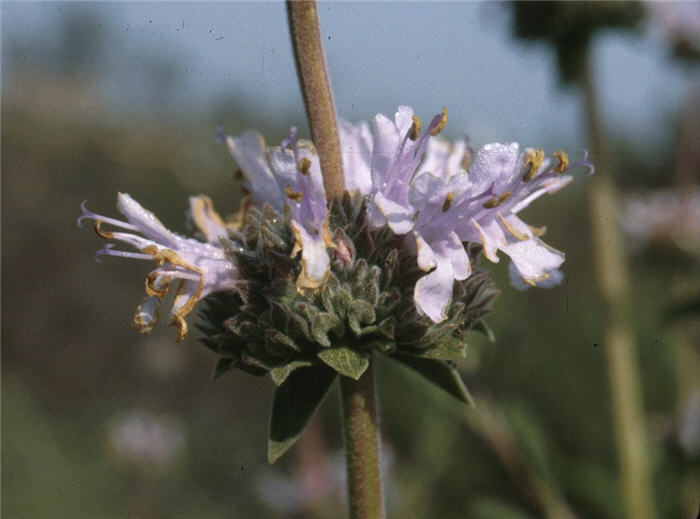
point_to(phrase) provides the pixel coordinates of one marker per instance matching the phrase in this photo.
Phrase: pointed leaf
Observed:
(481, 326)
(280, 374)
(439, 373)
(448, 349)
(359, 313)
(223, 365)
(321, 325)
(293, 406)
(345, 361)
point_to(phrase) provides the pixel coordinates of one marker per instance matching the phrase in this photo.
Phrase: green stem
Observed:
(620, 348)
(316, 89)
(361, 429)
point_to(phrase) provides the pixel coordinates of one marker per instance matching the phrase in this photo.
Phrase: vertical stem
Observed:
(621, 355)
(362, 446)
(316, 89)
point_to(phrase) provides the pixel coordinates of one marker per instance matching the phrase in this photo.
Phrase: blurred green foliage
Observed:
(540, 438)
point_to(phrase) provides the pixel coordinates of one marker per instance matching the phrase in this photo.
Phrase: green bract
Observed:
(267, 324)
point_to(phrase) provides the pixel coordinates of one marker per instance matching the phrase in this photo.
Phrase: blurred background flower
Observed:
(141, 438)
(100, 98)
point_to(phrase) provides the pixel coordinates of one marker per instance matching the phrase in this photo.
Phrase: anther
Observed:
(448, 202)
(303, 166)
(102, 234)
(293, 195)
(441, 124)
(466, 160)
(496, 201)
(155, 286)
(563, 159)
(533, 162)
(414, 132)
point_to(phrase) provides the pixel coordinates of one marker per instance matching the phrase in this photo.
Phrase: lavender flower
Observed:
(424, 186)
(200, 267)
(288, 178)
(414, 183)
(663, 217)
(143, 438)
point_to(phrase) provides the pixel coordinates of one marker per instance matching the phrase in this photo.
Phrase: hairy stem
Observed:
(620, 348)
(316, 89)
(361, 431)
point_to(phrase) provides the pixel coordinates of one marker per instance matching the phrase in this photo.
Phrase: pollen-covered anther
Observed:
(181, 325)
(466, 160)
(304, 166)
(414, 132)
(448, 202)
(533, 162)
(538, 231)
(326, 233)
(563, 159)
(155, 287)
(102, 234)
(146, 316)
(496, 201)
(512, 230)
(441, 124)
(293, 195)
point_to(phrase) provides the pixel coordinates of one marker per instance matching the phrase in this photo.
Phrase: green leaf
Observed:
(294, 404)
(440, 373)
(481, 326)
(345, 361)
(223, 365)
(496, 508)
(448, 349)
(321, 325)
(280, 374)
(360, 312)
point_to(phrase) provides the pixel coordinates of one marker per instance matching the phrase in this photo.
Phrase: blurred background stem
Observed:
(316, 89)
(619, 342)
(362, 446)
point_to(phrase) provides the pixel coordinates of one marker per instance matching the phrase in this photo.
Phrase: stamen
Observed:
(157, 285)
(533, 162)
(146, 315)
(303, 166)
(294, 195)
(414, 132)
(179, 315)
(448, 202)
(327, 238)
(289, 138)
(466, 160)
(89, 215)
(441, 124)
(538, 231)
(516, 234)
(563, 159)
(172, 257)
(496, 201)
(102, 234)
(107, 251)
(152, 250)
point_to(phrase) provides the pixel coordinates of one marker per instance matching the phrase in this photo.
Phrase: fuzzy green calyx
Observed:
(267, 325)
(305, 337)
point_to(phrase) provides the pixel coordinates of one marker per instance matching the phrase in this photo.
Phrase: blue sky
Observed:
(380, 55)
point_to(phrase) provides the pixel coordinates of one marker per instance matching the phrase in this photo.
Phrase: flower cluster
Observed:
(436, 200)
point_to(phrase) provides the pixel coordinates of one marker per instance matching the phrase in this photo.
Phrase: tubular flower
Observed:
(426, 188)
(288, 178)
(201, 267)
(432, 203)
